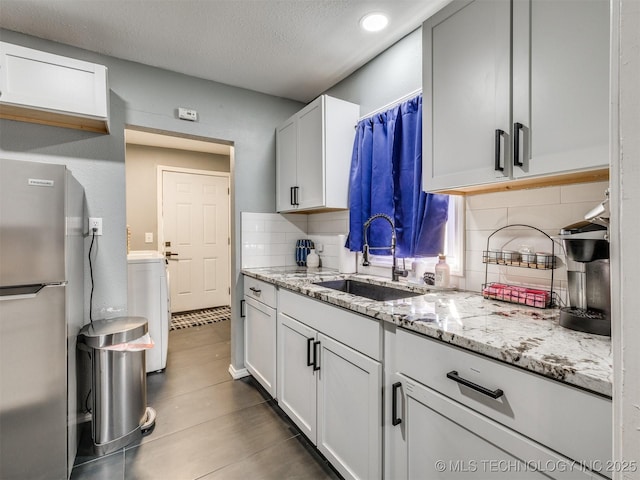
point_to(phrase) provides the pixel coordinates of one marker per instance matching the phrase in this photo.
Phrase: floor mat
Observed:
(200, 317)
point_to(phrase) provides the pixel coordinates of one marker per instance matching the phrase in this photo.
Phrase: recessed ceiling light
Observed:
(374, 22)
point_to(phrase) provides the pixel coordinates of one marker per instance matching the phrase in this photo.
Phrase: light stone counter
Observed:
(527, 337)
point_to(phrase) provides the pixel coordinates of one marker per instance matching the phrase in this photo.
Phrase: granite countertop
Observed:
(527, 337)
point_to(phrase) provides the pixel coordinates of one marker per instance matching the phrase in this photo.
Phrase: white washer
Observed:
(148, 296)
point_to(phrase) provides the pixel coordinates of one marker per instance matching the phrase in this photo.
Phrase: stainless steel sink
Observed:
(379, 293)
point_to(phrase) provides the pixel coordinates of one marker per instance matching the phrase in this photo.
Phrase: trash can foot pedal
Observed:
(149, 421)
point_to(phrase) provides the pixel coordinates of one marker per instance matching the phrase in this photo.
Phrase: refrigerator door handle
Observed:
(25, 296)
(19, 293)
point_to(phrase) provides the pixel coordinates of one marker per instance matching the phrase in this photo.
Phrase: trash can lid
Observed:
(112, 331)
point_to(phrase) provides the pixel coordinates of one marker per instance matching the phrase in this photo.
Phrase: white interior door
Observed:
(195, 214)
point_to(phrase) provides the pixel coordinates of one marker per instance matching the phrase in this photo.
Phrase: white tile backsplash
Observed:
(269, 239)
(548, 209)
(549, 216)
(583, 192)
(517, 198)
(329, 223)
(486, 219)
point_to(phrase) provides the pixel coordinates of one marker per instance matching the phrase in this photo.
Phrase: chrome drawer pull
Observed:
(497, 393)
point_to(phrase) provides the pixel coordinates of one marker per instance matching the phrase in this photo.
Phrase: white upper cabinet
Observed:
(466, 94)
(560, 85)
(41, 87)
(514, 90)
(313, 156)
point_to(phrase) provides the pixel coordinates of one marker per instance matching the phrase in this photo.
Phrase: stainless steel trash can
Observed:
(118, 382)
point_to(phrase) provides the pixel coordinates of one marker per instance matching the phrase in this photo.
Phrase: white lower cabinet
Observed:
(297, 385)
(437, 438)
(448, 413)
(349, 410)
(456, 414)
(260, 333)
(332, 392)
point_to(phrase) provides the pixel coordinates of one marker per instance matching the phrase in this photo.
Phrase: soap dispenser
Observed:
(442, 272)
(313, 260)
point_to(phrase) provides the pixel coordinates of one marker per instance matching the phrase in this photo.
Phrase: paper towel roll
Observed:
(346, 258)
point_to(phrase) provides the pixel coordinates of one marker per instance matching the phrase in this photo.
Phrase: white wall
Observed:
(393, 74)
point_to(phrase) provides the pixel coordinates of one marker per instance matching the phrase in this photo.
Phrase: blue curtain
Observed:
(386, 177)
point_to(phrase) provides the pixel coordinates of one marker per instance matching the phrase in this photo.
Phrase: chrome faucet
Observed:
(396, 273)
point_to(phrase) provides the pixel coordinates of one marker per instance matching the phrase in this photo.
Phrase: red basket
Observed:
(516, 294)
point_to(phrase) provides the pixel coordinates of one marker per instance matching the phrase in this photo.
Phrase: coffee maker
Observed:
(586, 244)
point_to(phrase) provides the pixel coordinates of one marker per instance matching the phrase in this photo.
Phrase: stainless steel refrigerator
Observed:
(41, 312)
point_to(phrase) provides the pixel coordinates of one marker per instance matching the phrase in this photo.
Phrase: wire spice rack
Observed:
(523, 295)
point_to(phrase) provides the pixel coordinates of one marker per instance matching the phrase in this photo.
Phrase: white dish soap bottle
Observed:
(442, 272)
(313, 260)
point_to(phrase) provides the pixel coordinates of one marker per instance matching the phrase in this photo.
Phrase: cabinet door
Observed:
(349, 410)
(286, 153)
(466, 85)
(260, 344)
(311, 167)
(296, 377)
(561, 85)
(41, 87)
(438, 438)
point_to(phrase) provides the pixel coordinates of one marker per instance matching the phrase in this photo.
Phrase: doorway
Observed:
(194, 230)
(147, 153)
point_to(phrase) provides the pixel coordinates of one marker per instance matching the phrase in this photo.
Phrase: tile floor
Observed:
(208, 426)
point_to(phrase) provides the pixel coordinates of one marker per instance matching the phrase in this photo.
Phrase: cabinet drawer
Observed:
(573, 422)
(359, 332)
(262, 291)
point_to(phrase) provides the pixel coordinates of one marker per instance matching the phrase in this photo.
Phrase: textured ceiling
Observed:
(289, 48)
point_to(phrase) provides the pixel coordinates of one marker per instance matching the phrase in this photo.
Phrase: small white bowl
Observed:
(544, 258)
(510, 256)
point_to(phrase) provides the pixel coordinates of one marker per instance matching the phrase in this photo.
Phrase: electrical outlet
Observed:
(95, 223)
(148, 237)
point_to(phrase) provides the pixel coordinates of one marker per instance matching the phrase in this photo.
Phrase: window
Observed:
(454, 245)
(386, 174)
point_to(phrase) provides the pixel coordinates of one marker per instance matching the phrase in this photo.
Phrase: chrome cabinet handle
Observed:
(453, 375)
